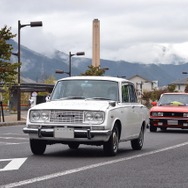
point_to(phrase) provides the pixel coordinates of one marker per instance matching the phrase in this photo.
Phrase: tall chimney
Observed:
(96, 43)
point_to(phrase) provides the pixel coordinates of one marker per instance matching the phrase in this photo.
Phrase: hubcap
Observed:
(141, 138)
(115, 142)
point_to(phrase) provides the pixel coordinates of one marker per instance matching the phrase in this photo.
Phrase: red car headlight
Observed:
(185, 114)
(156, 113)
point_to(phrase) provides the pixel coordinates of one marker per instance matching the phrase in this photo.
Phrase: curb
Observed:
(12, 123)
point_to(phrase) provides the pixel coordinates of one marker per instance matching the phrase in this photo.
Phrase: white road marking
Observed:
(15, 138)
(12, 138)
(12, 143)
(8, 143)
(14, 164)
(63, 173)
(13, 134)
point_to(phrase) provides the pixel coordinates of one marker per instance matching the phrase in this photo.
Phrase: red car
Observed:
(171, 111)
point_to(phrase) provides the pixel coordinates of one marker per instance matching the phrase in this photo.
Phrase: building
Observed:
(143, 84)
(180, 84)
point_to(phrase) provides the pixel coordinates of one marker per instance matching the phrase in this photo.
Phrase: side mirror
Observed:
(47, 98)
(112, 103)
(154, 103)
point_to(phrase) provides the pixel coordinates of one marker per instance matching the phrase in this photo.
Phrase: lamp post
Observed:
(184, 72)
(58, 71)
(70, 55)
(32, 24)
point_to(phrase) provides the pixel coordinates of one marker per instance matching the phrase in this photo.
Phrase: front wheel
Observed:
(163, 128)
(152, 128)
(111, 147)
(137, 144)
(38, 147)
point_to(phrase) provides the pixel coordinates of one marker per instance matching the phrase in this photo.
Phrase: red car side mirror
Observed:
(154, 103)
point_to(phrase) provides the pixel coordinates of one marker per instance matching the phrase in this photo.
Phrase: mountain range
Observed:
(38, 67)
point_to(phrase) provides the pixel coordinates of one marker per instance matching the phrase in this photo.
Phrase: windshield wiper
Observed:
(72, 97)
(98, 98)
(164, 104)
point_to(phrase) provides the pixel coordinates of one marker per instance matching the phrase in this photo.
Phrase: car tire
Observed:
(38, 147)
(163, 128)
(137, 144)
(152, 128)
(111, 147)
(73, 145)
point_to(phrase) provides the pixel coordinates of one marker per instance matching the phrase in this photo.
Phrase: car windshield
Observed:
(86, 89)
(173, 99)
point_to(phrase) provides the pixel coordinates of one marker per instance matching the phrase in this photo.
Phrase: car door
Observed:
(130, 111)
(137, 111)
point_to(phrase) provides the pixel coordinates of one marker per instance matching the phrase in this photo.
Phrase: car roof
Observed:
(108, 78)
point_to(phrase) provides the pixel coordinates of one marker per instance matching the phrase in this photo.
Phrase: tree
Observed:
(146, 96)
(171, 88)
(154, 95)
(186, 89)
(7, 70)
(94, 71)
(49, 80)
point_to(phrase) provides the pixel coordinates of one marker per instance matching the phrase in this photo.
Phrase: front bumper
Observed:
(78, 134)
(171, 123)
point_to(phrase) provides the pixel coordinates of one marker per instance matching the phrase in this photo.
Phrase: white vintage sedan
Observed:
(92, 110)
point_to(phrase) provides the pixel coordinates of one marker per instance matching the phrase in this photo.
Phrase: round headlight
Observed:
(94, 117)
(44, 116)
(35, 115)
(89, 116)
(98, 117)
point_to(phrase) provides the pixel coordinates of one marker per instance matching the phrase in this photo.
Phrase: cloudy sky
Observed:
(132, 30)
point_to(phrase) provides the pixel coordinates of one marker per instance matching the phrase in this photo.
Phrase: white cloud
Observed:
(128, 28)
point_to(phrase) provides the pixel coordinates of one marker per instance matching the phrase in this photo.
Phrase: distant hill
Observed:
(38, 67)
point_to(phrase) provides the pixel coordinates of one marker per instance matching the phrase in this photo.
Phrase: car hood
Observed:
(169, 109)
(73, 105)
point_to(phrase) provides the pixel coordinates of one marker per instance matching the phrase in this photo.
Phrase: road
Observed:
(163, 162)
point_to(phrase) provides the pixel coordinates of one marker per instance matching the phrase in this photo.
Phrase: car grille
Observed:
(66, 116)
(172, 114)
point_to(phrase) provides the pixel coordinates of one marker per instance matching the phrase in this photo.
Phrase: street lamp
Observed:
(32, 24)
(70, 55)
(58, 71)
(184, 72)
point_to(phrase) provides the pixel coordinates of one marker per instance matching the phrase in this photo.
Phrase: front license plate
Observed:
(172, 122)
(63, 132)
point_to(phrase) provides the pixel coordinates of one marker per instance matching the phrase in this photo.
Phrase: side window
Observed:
(133, 97)
(125, 93)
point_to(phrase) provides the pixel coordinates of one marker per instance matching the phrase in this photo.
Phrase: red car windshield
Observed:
(173, 99)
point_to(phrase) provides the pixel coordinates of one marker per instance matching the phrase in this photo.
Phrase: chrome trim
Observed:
(66, 116)
(50, 130)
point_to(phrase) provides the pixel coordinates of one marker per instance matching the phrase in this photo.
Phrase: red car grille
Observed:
(173, 114)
